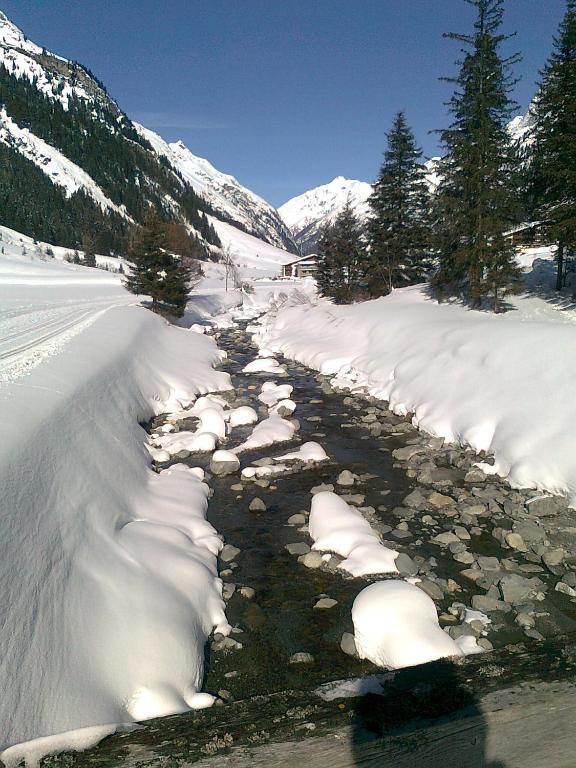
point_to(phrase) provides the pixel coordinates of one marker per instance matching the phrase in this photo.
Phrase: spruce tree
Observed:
(341, 258)
(397, 231)
(89, 249)
(553, 166)
(476, 200)
(156, 272)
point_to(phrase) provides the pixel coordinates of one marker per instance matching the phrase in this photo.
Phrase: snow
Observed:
(306, 214)
(499, 383)
(396, 626)
(242, 416)
(108, 570)
(337, 527)
(253, 256)
(308, 452)
(273, 393)
(264, 365)
(272, 430)
(61, 171)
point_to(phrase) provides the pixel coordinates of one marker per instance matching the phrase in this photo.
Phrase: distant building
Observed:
(303, 267)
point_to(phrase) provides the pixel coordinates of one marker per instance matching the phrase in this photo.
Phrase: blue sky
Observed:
(284, 94)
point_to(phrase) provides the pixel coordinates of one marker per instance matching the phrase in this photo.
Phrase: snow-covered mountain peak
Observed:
(13, 37)
(306, 214)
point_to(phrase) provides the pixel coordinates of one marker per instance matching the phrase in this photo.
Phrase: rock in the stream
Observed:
(517, 589)
(297, 519)
(325, 602)
(565, 589)
(348, 644)
(257, 505)
(311, 559)
(440, 500)
(224, 463)
(405, 565)
(228, 553)
(226, 644)
(345, 478)
(515, 541)
(298, 548)
(321, 488)
(301, 658)
(553, 557)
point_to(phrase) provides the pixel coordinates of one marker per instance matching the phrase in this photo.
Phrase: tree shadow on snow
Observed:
(425, 718)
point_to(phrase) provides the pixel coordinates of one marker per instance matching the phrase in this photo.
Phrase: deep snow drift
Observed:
(108, 571)
(500, 383)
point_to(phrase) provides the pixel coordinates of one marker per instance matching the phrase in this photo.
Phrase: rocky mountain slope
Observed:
(93, 170)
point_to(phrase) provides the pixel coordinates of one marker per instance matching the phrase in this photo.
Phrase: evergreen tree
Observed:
(341, 257)
(88, 247)
(553, 166)
(397, 230)
(476, 200)
(156, 272)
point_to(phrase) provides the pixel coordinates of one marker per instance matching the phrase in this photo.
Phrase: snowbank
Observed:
(108, 572)
(396, 626)
(272, 430)
(500, 383)
(337, 527)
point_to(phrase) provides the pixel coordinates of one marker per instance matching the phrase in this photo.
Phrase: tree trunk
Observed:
(560, 270)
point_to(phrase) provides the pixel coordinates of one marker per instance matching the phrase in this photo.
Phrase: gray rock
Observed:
(298, 519)
(530, 531)
(516, 541)
(542, 507)
(489, 563)
(517, 589)
(474, 475)
(257, 505)
(565, 589)
(221, 468)
(354, 498)
(301, 658)
(298, 548)
(311, 559)
(446, 538)
(345, 478)
(228, 590)
(348, 644)
(431, 588)
(247, 592)
(322, 487)
(407, 452)
(466, 558)
(440, 500)
(553, 557)
(462, 533)
(406, 566)
(488, 604)
(226, 644)
(457, 547)
(228, 553)
(416, 500)
(325, 602)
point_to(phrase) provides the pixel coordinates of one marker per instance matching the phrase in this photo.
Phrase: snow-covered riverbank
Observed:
(500, 383)
(108, 571)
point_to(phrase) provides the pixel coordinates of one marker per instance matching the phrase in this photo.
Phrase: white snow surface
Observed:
(272, 430)
(108, 570)
(307, 213)
(499, 383)
(337, 527)
(396, 626)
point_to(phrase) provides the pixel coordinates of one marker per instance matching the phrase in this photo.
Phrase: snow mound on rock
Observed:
(396, 626)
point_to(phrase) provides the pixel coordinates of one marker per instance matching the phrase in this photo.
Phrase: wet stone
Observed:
(311, 559)
(301, 658)
(228, 553)
(257, 505)
(298, 548)
(345, 478)
(348, 644)
(325, 602)
(297, 519)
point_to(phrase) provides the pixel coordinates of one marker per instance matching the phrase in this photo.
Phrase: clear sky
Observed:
(284, 94)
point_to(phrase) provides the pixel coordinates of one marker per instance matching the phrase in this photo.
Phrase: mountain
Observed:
(229, 200)
(93, 170)
(306, 214)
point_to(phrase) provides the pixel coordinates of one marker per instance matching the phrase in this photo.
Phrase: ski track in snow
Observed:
(30, 334)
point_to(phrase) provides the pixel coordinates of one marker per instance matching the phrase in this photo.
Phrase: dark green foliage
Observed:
(48, 214)
(89, 248)
(398, 230)
(341, 258)
(157, 272)
(553, 154)
(101, 140)
(477, 201)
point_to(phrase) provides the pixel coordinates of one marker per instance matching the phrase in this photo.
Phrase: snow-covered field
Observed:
(500, 383)
(108, 571)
